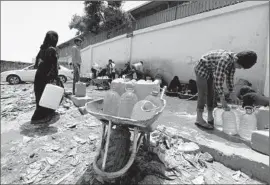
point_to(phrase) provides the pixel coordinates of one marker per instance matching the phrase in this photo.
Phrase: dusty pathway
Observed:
(62, 151)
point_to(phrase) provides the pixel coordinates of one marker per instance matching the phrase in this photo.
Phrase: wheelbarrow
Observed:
(141, 130)
(104, 83)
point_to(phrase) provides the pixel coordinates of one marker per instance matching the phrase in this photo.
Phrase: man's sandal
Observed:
(205, 125)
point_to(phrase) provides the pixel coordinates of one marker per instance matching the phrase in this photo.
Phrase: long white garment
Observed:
(76, 55)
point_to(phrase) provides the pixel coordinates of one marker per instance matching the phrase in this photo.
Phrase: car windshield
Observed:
(62, 67)
(29, 67)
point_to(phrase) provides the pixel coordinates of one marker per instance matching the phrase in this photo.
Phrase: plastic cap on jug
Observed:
(148, 106)
(113, 86)
(130, 86)
(155, 93)
(249, 109)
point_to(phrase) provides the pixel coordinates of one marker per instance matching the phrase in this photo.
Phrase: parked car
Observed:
(28, 75)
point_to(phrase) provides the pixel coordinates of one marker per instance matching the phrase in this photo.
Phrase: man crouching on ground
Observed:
(210, 72)
(76, 61)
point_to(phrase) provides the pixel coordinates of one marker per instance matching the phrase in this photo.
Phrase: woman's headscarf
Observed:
(175, 83)
(50, 40)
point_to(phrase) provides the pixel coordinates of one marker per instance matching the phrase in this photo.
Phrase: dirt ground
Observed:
(62, 151)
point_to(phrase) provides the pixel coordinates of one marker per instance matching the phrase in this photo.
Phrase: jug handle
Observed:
(133, 85)
(249, 108)
(149, 110)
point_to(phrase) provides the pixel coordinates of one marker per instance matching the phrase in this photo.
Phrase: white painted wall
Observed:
(266, 86)
(86, 61)
(117, 50)
(176, 46)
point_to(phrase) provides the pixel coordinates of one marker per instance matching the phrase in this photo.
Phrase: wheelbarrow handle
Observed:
(107, 145)
(163, 91)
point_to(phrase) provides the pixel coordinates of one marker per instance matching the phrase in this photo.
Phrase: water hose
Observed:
(192, 97)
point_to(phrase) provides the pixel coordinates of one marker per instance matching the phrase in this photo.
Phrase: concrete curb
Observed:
(251, 167)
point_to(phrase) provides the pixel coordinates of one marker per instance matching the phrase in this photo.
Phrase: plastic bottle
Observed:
(263, 118)
(248, 123)
(229, 122)
(111, 102)
(143, 110)
(153, 97)
(239, 112)
(127, 101)
(218, 118)
(80, 89)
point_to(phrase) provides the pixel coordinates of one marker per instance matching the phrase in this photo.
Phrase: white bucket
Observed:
(51, 96)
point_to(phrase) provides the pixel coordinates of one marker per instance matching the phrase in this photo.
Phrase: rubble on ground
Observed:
(62, 151)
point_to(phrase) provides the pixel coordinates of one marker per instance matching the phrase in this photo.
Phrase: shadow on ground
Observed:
(145, 164)
(233, 139)
(30, 130)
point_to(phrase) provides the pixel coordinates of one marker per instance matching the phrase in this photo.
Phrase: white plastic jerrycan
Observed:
(51, 96)
(80, 89)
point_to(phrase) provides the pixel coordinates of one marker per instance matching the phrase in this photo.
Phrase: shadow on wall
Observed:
(168, 69)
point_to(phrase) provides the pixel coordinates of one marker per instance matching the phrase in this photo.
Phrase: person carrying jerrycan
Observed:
(210, 72)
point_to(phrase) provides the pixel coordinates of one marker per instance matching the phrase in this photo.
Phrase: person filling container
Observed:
(210, 72)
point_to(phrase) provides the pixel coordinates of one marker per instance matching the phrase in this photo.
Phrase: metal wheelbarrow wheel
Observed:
(137, 141)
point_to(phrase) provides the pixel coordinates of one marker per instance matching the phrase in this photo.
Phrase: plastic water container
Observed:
(217, 113)
(248, 123)
(260, 141)
(127, 101)
(143, 110)
(51, 96)
(229, 122)
(144, 88)
(154, 98)
(111, 102)
(239, 112)
(80, 89)
(119, 85)
(262, 118)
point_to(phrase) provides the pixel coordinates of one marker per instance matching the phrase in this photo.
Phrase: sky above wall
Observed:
(25, 23)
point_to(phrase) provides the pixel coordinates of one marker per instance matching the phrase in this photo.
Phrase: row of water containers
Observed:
(131, 99)
(241, 121)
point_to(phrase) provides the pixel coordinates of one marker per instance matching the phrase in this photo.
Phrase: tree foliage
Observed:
(100, 16)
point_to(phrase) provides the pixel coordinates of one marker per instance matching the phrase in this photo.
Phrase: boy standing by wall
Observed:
(76, 61)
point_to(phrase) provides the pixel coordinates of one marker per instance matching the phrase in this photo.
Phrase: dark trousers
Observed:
(206, 93)
(112, 75)
(76, 76)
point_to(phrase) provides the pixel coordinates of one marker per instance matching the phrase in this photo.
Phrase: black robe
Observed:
(47, 72)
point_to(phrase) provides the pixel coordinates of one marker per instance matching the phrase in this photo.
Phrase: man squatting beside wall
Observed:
(76, 61)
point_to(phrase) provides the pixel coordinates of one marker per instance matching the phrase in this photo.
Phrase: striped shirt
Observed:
(217, 64)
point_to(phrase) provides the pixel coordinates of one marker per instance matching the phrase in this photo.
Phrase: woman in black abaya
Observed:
(47, 72)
